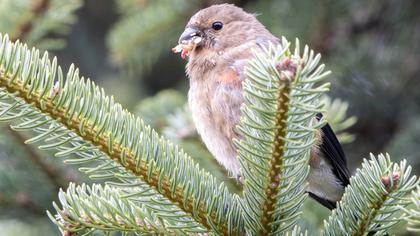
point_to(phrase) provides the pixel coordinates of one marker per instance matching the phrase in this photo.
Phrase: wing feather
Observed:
(333, 152)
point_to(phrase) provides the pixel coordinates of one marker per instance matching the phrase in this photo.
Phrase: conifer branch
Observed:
(38, 8)
(23, 201)
(85, 209)
(140, 169)
(53, 175)
(132, 42)
(89, 117)
(336, 116)
(372, 201)
(278, 127)
(34, 21)
(277, 161)
(413, 215)
(297, 231)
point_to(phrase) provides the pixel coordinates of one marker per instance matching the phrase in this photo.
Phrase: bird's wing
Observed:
(333, 153)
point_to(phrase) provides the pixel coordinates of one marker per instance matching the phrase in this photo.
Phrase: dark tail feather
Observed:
(326, 203)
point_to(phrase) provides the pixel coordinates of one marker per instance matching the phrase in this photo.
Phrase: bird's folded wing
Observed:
(333, 153)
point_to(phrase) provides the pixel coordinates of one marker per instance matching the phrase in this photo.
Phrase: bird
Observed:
(218, 41)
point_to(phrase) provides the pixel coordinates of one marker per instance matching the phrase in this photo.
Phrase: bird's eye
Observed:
(217, 25)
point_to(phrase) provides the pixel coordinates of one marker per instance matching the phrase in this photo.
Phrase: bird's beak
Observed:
(190, 36)
(189, 40)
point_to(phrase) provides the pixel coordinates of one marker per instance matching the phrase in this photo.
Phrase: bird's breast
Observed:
(214, 117)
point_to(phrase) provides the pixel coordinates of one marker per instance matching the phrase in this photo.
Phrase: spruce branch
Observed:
(132, 42)
(22, 200)
(86, 209)
(52, 173)
(38, 8)
(297, 231)
(75, 117)
(372, 201)
(281, 101)
(336, 115)
(33, 20)
(154, 110)
(413, 215)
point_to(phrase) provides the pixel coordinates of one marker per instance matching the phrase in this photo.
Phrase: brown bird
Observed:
(218, 41)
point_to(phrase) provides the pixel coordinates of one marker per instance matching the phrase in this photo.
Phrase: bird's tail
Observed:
(331, 149)
(332, 152)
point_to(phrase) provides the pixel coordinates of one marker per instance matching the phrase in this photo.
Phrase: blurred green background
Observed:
(372, 48)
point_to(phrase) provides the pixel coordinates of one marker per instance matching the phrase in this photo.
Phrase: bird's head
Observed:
(217, 28)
